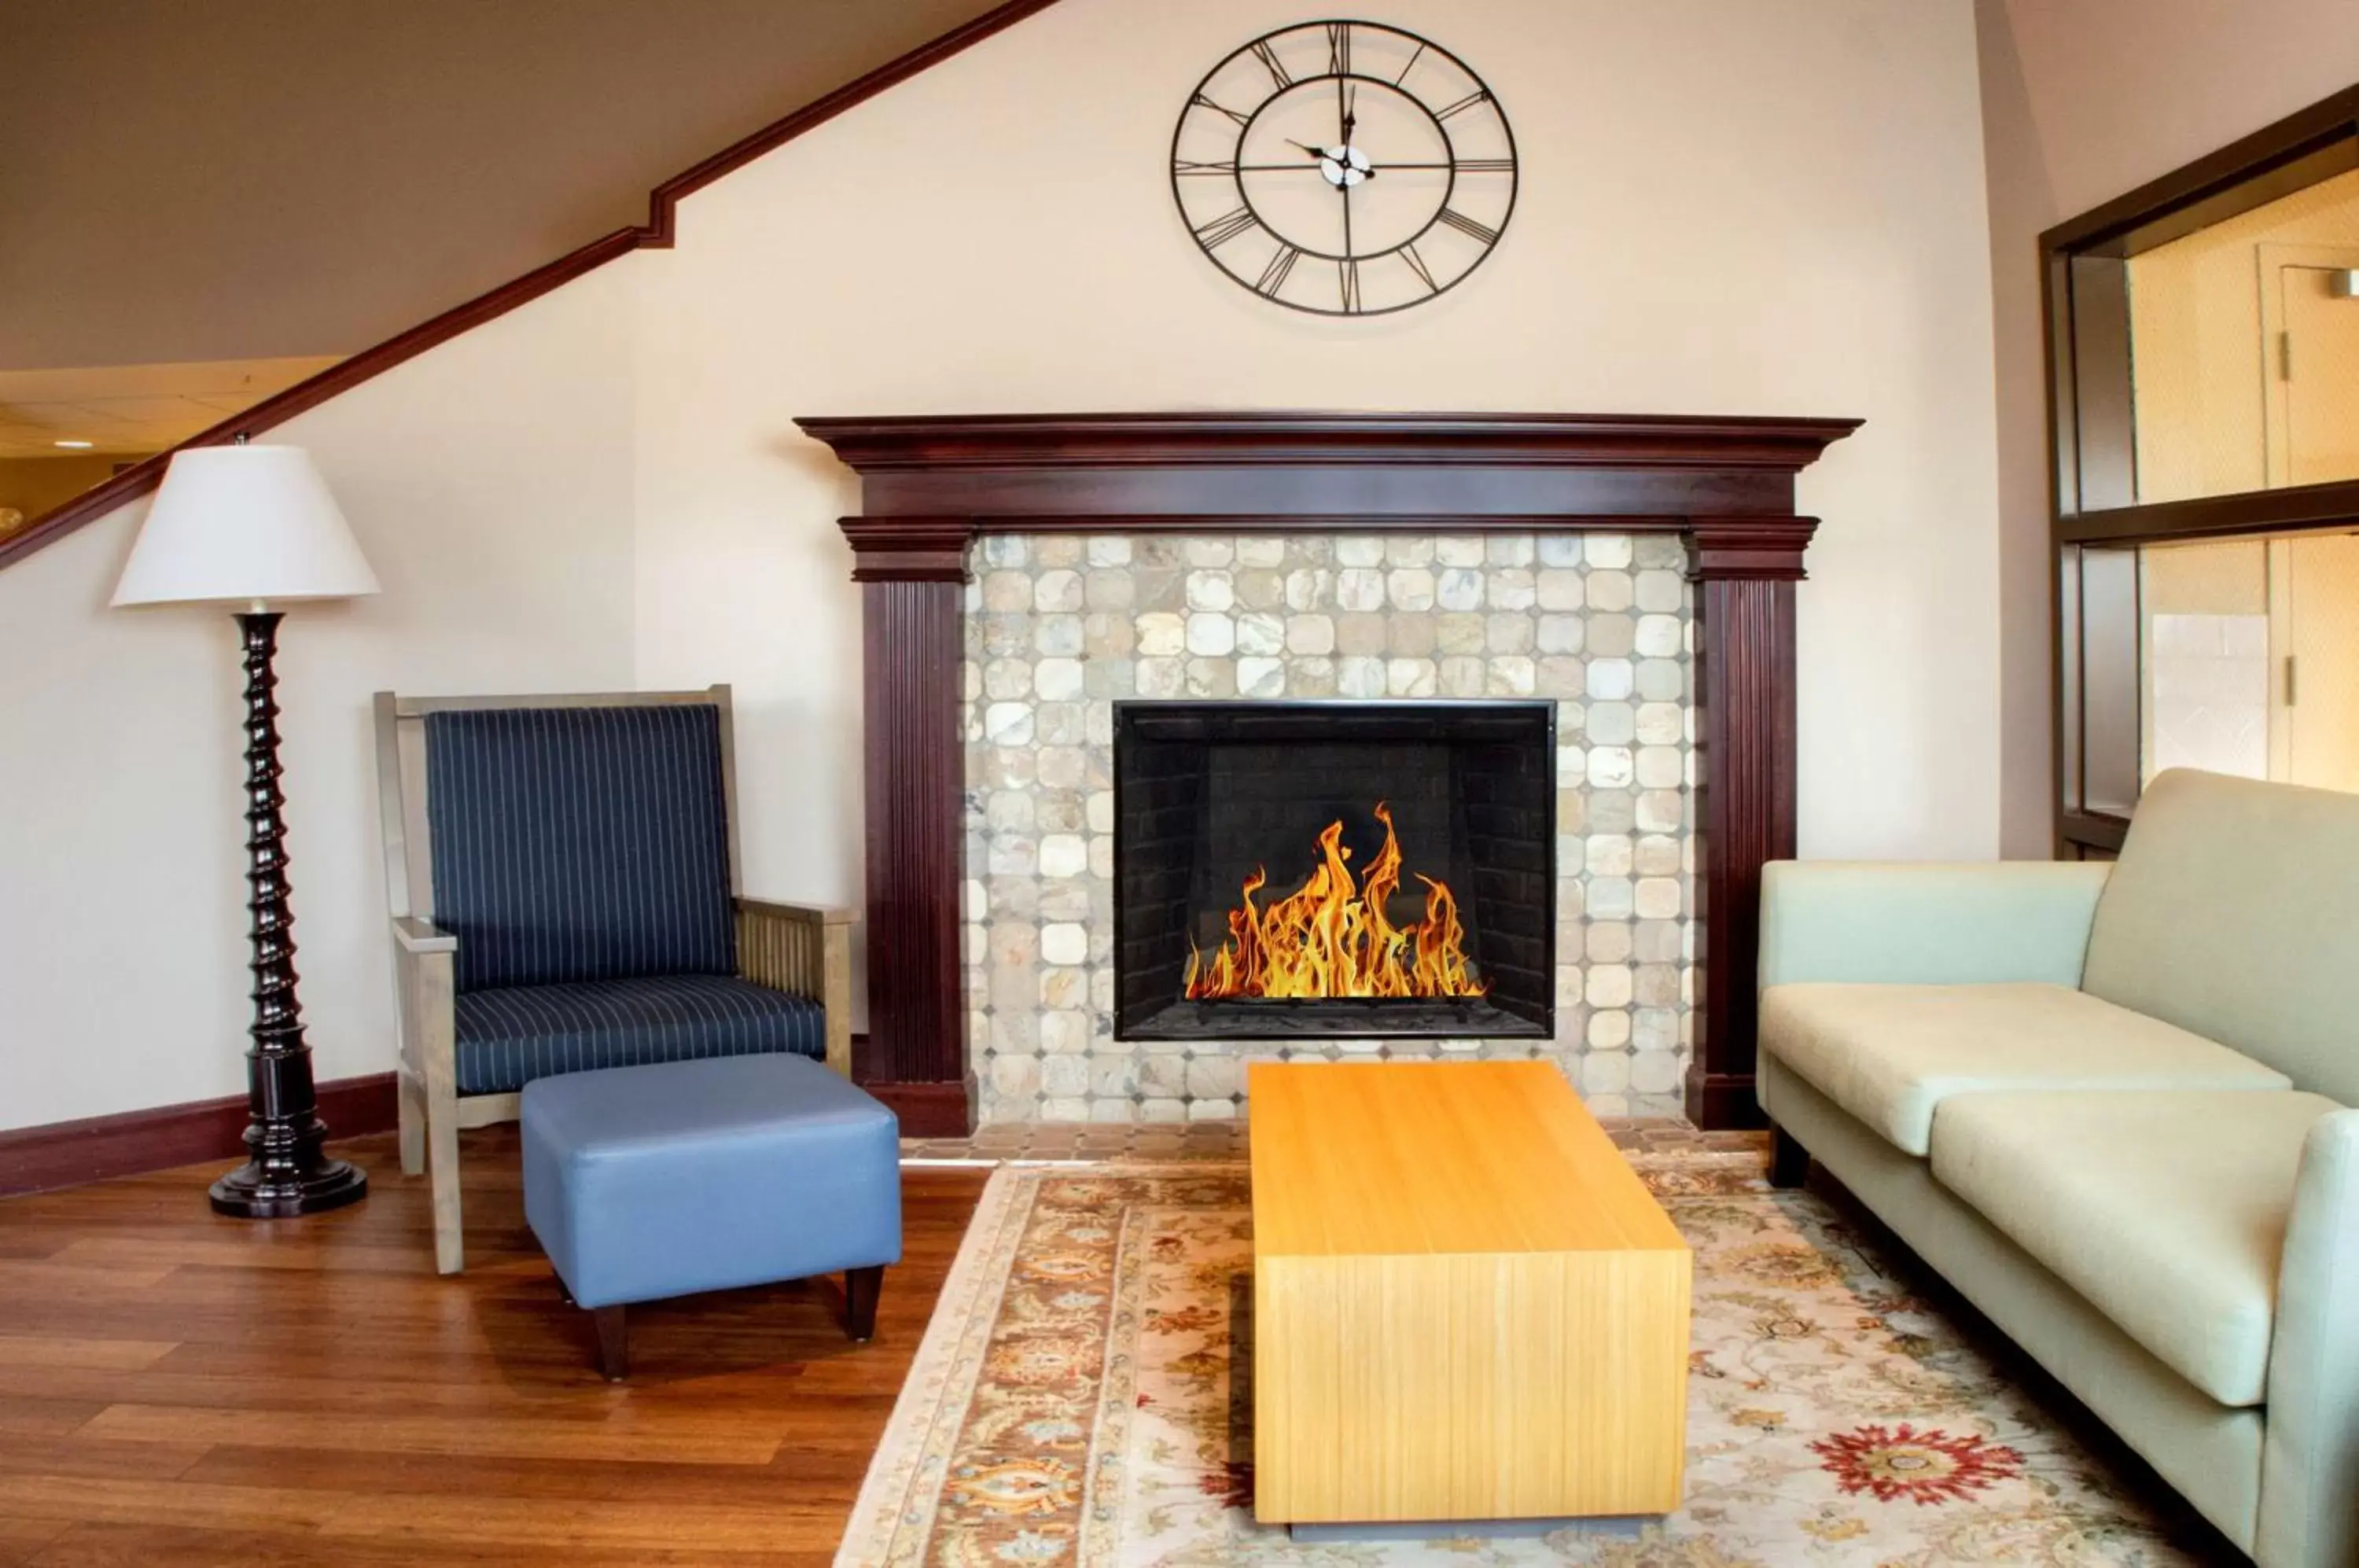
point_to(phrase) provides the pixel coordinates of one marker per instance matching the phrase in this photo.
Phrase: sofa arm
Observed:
(808, 950)
(2309, 1508)
(1927, 924)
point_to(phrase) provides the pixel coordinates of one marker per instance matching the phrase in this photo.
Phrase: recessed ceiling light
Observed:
(76, 445)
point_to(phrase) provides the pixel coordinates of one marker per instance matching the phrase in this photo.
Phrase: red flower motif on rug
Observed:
(1925, 1467)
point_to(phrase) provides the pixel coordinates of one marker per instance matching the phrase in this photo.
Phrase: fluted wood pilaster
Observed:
(1744, 570)
(911, 578)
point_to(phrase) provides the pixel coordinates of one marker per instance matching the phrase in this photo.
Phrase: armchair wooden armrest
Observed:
(804, 950)
(822, 914)
(417, 936)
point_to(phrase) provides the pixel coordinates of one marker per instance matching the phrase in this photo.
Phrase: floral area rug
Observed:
(1082, 1400)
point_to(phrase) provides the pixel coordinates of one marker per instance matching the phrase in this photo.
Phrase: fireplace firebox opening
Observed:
(1292, 870)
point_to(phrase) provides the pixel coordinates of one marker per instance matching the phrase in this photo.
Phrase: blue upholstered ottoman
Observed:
(677, 1177)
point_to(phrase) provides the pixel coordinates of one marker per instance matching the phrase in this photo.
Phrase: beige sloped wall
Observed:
(1725, 208)
(490, 482)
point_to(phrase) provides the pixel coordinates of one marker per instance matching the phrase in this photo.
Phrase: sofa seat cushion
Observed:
(508, 1037)
(2165, 1210)
(1889, 1055)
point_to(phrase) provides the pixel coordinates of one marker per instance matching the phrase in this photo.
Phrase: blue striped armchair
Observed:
(562, 876)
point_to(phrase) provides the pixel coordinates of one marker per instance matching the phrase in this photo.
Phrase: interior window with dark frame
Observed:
(2204, 335)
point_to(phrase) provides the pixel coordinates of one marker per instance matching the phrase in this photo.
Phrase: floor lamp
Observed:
(254, 528)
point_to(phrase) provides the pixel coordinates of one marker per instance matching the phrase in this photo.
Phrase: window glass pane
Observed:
(2245, 349)
(2206, 635)
(2319, 640)
(2249, 658)
(2110, 638)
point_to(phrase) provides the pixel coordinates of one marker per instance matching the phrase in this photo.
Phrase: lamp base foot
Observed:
(250, 1192)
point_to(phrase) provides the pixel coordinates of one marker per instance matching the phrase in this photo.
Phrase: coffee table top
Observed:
(1438, 1157)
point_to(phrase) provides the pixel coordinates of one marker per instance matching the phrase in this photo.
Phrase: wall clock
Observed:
(1346, 169)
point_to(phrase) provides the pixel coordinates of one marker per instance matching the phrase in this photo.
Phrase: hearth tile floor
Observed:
(1157, 1142)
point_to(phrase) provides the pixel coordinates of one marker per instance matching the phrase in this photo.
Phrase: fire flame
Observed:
(1332, 938)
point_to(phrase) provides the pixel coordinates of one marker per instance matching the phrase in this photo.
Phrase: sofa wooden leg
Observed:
(1789, 1162)
(614, 1342)
(861, 1288)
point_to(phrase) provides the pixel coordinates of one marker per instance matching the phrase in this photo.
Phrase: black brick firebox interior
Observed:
(1206, 793)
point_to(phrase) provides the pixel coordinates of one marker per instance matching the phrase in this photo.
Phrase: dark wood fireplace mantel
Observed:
(931, 485)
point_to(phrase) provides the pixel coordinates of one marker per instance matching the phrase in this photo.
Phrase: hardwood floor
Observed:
(179, 1388)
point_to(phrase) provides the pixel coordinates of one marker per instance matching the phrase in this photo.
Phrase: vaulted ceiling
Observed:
(234, 180)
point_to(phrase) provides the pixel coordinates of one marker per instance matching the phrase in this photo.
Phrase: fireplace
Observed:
(1292, 870)
(1022, 573)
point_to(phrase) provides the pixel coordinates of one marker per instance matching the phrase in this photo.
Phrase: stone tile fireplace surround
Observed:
(1023, 574)
(1060, 627)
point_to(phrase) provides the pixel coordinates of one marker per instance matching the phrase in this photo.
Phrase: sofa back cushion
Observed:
(2235, 913)
(580, 843)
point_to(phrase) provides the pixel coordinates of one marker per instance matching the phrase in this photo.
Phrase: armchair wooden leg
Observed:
(1789, 1162)
(437, 1058)
(614, 1342)
(442, 1168)
(412, 1104)
(861, 1288)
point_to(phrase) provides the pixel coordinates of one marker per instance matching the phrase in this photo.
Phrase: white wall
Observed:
(490, 483)
(1724, 208)
(2084, 101)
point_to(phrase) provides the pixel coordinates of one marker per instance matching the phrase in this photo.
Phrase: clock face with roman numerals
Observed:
(1344, 168)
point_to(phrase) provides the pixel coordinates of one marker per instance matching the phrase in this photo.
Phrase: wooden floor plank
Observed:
(39, 1352)
(84, 1456)
(20, 1540)
(152, 1546)
(181, 1389)
(696, 1439)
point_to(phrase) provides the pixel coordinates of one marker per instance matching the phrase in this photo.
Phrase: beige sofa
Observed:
(2109, 1105)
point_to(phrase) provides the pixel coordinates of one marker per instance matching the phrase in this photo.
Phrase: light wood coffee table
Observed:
(1466, 1305)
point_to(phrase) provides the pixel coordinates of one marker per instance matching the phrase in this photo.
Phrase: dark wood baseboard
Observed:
(1720, 1101)
(67, 1154)
(928, 1110)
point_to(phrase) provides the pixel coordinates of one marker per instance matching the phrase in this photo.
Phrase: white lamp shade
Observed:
(244, 525)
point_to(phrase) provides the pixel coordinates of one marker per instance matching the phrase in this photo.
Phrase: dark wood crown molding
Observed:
(1357, 472)
(656, 234)
(1762, 549)
(1001, 443)
(908, 550)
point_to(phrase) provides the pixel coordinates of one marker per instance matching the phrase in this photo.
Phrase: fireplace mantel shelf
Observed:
(932, 483)
(1014, 442)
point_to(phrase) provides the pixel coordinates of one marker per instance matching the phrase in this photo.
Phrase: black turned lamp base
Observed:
(251, 1192)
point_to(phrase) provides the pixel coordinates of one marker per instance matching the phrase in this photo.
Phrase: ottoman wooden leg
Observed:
(614, 1342)
(1789, 1162)
(861, 1286)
